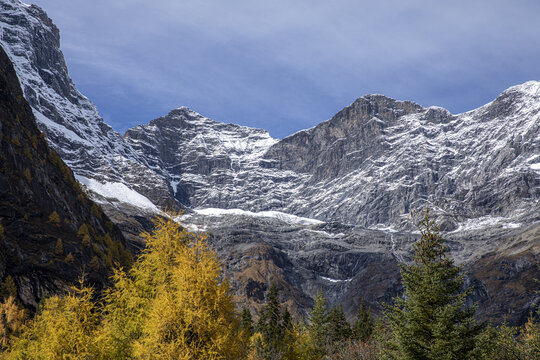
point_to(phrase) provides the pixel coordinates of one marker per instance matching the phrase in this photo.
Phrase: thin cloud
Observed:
(287, 65)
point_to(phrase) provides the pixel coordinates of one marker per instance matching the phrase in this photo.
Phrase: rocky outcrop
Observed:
(378, 161)
(43, 209)
(209, 163)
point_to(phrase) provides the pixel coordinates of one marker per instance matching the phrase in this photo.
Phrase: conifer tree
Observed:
(247, 321)
(286, 320)
(431, 320)
(59, 247)
(275, 327)
(318, 328)
(8, 288)
(11, 321)
(363, 326)
(83, 230)
(63, 329)
(531, 338)
(54, 218)
(270, 319)
(69, 259)
(172, 304)
(339, 328)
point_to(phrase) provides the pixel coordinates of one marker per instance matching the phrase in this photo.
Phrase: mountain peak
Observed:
(187, 113)
(380, 106)
(184, 109)
(530, 88)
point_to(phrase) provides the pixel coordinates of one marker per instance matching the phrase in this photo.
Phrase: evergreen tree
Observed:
(363, 326)
(318, 328)
(339, 328)
(287, 320)
(269, 321)
(275, 327)
(506, 342)
(431, 321)
(247, 321)
(289, 338)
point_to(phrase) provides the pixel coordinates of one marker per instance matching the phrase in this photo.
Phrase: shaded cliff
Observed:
(50, 233)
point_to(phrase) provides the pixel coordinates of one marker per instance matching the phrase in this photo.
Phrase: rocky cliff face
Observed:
(211, 164)
(43, 209)
(352, 263)
(378, 160)
(375, 163)
(365, 175)
(70, 120)
(99, 156)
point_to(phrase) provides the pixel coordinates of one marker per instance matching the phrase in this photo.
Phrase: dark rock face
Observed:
(346, 263)
(506, 280)
(42, 206)
(357, 128)
(350, 264)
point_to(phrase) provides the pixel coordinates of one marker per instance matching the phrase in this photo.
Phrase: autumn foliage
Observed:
(172, 304)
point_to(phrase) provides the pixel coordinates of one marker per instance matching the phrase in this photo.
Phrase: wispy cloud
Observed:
(285, 65)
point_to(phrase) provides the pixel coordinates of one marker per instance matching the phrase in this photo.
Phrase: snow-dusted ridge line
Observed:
(486, 222)
(468, 164)
(288, 218)
(71, 121)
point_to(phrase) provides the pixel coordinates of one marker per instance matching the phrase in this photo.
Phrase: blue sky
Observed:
(286, 65)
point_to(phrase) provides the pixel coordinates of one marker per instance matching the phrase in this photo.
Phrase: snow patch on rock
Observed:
(288, 218)
(120, 192)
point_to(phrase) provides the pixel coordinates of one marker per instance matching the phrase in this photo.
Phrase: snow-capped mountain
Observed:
(211, 164)
(332, 207)
(379, 159)
(70, 120)
(373, 164)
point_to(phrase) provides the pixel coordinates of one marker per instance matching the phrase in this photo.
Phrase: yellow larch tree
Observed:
(63, 329)
(172, 304)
